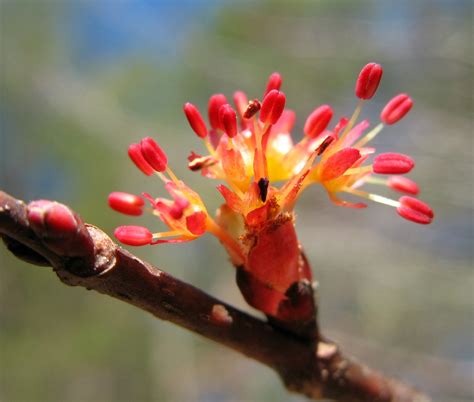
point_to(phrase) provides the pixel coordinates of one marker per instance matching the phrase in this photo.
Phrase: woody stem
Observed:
(316, 368)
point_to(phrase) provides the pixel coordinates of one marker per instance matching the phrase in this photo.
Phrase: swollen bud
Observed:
(396, 109)
(368, 80)
(317, 121)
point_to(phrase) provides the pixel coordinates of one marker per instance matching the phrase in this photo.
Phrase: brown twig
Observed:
(89, 258)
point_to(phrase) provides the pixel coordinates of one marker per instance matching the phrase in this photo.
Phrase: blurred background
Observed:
(80, 80)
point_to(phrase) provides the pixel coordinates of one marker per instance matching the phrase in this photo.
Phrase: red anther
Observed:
(324, 145)
(195, 119)
(125, 203)
(396, 109)
(317, 121)
(415, 210)
(392, 163)
(153, 154)
(403, 185)
(228, 120)
(133, 235)
(215, 102)
(241, 101)
(272, 107)
(252, 108)
(368, 80)
(274, 82)
(135, 154)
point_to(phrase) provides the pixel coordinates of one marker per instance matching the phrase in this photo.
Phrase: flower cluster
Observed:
(264, 171)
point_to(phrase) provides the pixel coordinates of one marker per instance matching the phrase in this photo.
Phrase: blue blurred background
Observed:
(81, 79)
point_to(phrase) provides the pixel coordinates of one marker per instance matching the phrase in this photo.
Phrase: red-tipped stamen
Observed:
(135, 154)
(215, 102)
(125, 203)
(272, 107)
(392, 163)
(317, 121)
(153, 154)
(396, 109)
(415, 210)
(274, 82)
(228, 120)
(195, 119)
(403, 185)
(133, 235)
(368, 80)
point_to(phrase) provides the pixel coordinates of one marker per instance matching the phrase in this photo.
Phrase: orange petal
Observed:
(338, 163)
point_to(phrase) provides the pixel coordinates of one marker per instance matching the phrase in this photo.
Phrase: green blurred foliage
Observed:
(397, 295)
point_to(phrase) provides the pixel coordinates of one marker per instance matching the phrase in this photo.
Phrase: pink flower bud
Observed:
(403, 185)
(195, 119)
(272, 107)
(215, 102)
(125, 203)
(133, 235)
(392, 163)
(317, 121)
(396, 109)
(135, 154)
(274, 82)
(368, 80)
(228, 120)
(415, 210)
(52, 218)
(153, 154)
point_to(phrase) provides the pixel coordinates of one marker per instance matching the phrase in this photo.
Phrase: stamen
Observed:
(392, 163)
(228, 120)
(125, 203)
(358, 170)
(135, 154)
(195, 119)
(133, 235)
(415, 210)
(274, 82)
(373, 197)
(153, 154)
(368, 81)
(352, 120)
(369, 136)
(396, 109)
(317, 121)
(215, 102)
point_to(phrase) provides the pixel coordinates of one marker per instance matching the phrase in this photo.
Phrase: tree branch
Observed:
(89, 258)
